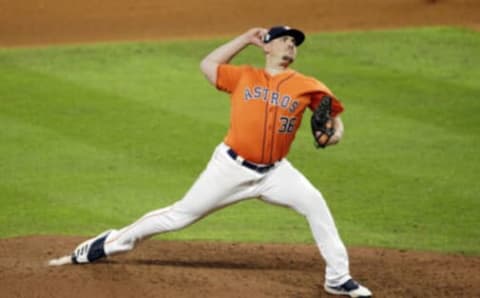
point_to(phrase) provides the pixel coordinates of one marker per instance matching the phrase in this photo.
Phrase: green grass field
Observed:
(94, 136)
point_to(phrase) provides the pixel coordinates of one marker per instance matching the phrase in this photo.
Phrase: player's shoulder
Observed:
(308, 80)
(254, 69)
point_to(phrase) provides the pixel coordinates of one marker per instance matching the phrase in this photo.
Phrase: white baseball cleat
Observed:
(90, 250)
(349, 288)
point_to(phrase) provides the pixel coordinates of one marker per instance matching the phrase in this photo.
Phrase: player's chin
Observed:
(288, 59)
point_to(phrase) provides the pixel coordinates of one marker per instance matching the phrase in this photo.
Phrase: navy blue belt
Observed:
(250, 165)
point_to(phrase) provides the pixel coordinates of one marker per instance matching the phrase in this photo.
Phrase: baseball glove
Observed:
(322, 123)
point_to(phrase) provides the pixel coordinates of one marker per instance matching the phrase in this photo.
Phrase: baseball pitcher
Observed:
(267, 106)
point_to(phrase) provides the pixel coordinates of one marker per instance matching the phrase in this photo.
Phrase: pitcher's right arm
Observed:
(226, 52)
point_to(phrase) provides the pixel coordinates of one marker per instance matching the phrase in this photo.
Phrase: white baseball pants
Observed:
(224, 182)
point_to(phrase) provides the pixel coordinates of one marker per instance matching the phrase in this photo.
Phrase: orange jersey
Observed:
(267, 110)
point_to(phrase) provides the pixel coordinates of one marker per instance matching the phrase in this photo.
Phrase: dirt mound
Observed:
(196, 269)
(55, 21)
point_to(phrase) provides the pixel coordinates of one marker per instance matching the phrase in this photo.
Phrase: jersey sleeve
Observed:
(228, 77)
(316, 90)
(316, 98)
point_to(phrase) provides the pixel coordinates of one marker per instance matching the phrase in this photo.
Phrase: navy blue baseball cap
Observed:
(278, 31)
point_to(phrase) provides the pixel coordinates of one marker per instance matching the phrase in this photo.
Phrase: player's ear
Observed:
(267, 47)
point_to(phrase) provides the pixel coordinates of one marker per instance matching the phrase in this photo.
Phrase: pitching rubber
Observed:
(60, 261)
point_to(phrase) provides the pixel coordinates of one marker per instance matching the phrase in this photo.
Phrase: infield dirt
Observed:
(42, 22)
(196, 269)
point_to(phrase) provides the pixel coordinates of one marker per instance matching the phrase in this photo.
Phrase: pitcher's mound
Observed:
(199, 269)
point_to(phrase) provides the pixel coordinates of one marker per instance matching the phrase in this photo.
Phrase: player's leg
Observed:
(223, 182)
(288, 187)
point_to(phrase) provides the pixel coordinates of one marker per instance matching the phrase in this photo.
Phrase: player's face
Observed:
(283, 48)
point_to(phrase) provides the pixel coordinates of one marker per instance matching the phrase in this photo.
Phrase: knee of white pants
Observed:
(310, 206)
